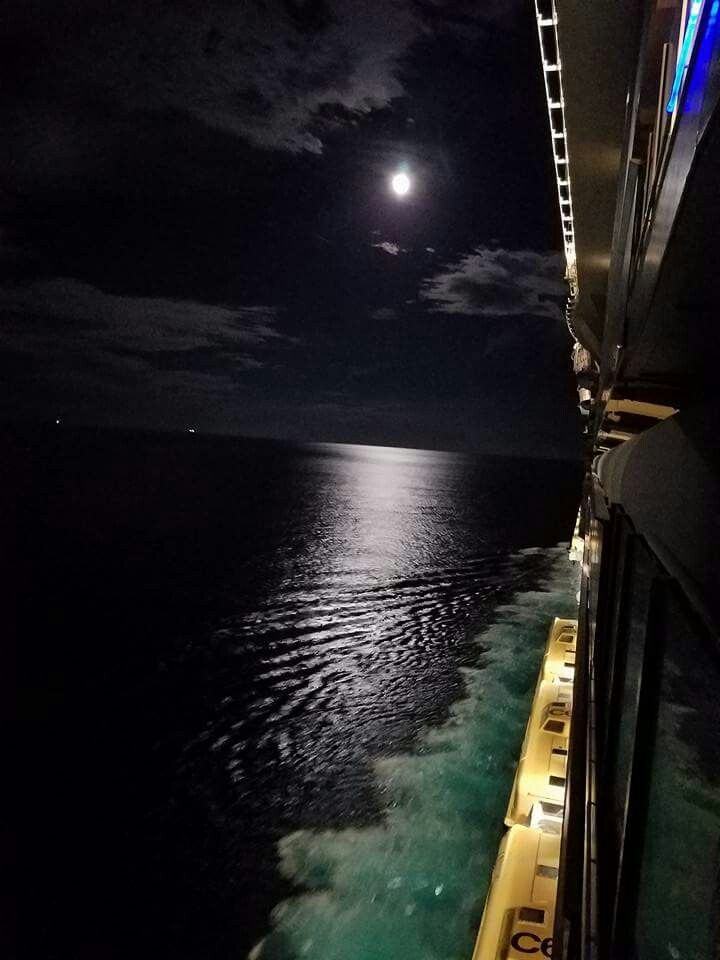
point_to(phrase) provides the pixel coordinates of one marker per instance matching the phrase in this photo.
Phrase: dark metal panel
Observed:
(599, 44)
(622, 937)
(698, 104)
(668, 482)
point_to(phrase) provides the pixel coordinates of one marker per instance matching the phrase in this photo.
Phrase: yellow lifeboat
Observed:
(559, 659)
(542, 768)
(520, 907)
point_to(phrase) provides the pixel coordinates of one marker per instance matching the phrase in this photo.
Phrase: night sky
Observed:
(198, 227)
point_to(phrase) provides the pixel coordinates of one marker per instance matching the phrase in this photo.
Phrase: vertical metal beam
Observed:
(569, 925)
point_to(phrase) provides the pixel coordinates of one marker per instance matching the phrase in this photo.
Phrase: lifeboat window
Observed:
(557, 781)
(560, 751)
(553, 827)
(530, 915)
(551, 807)
(554, 726)
(569, 663)
(566, 639)
(566, 679)
(544, 870)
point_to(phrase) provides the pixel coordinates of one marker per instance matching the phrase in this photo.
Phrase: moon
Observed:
(400, 184)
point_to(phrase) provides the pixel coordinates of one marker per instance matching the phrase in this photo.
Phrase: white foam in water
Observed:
(414, 885)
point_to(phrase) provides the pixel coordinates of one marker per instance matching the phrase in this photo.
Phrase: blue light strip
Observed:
(685, 51)
(707, 55)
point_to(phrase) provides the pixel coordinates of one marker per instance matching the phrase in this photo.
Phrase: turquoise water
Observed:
(413, 885)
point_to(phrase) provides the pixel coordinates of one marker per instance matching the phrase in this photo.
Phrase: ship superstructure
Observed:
(633, 92)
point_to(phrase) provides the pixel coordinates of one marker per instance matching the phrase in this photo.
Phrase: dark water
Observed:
(252, 670)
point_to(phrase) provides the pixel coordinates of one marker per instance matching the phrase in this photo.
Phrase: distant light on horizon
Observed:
(191, 429)
(58, 420)
(401, 184)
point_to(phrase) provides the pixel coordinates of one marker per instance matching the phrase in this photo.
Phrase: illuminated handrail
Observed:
(552, 67)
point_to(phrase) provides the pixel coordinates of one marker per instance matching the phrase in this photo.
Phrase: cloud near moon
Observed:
(497, 282)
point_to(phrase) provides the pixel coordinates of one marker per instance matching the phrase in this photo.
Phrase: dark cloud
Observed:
(141, 323)
(70, 330)
(280, 74)
(261, 71)
(495, 282)
(465, 15)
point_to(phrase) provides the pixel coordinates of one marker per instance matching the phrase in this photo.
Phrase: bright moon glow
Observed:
(401, 184)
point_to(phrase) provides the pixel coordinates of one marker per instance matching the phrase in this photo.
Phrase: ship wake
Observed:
(413, 885)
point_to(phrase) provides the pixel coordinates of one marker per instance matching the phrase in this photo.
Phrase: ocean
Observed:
(272, 694)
